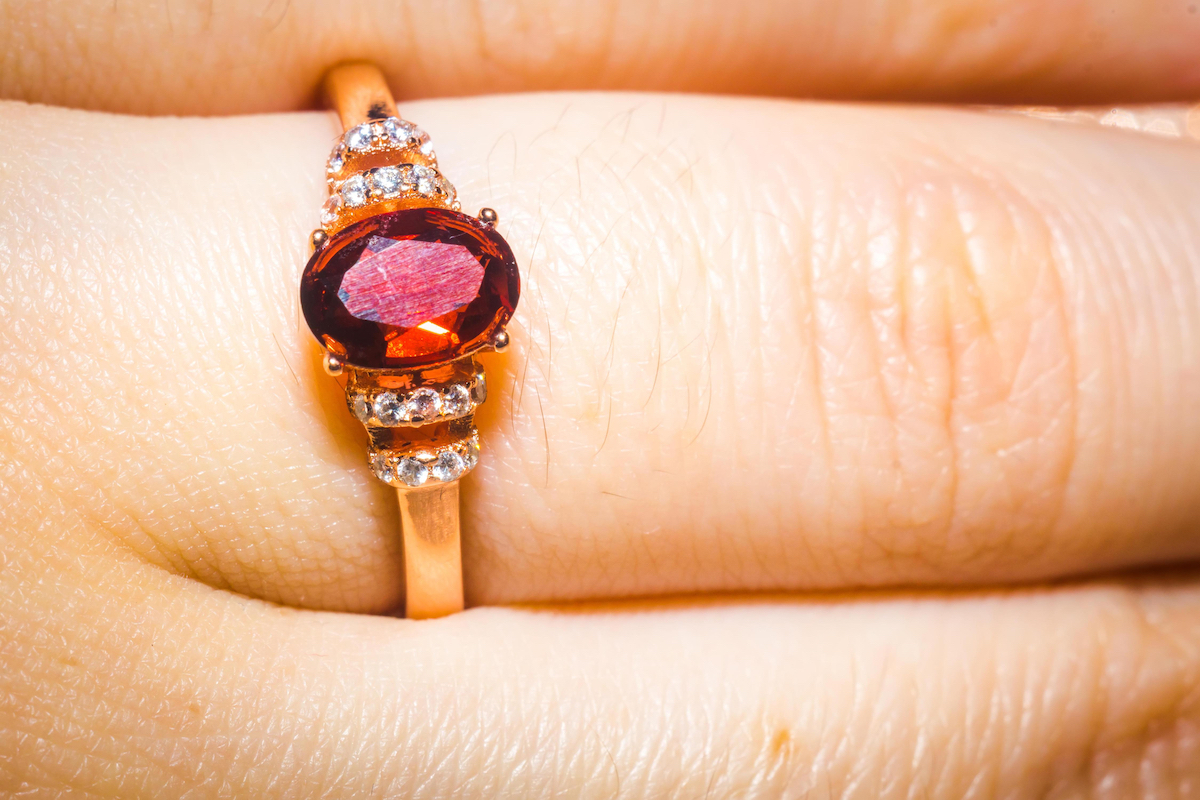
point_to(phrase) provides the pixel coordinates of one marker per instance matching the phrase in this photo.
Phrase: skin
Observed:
(894, 405)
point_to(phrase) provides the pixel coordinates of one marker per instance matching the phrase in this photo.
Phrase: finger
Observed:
(120, 681)
(233, 57)
(760, 347)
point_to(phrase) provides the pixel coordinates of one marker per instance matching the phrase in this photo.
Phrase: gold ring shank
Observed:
(428, 515)
(359, 93)
(432, 551)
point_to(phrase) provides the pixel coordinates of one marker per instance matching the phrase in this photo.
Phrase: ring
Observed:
(402, 290)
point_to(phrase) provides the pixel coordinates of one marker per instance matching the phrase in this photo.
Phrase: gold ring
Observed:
(402, 291)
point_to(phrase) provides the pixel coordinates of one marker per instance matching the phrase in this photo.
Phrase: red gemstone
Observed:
(410, 289)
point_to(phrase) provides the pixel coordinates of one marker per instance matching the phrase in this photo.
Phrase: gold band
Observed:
(432, 551)
(428, 514)
(358, 92)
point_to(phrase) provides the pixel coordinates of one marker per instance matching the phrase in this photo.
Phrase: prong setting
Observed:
(489, 217)
(318, 239)
(333, 365)
(500, 341)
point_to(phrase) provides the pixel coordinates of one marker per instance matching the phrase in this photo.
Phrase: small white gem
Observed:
(383, 467)
(360, 407)
(479, 390)
(445, 188)
(424, 143)
(412, 472)
(354, 191)
(337, 161)
(398, 130)
(456, 401)
(389, 409)
(385, 179)
(358, 137)
(449, 466)
(407, 178)
(329, 211)
(471, 453)
(424, 404)
(425, 178)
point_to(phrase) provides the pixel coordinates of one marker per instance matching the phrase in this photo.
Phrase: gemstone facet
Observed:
(409, 288)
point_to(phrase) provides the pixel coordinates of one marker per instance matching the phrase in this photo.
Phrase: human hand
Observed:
(867, 392)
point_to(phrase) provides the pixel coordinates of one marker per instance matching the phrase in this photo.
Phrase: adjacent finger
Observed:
(118, 680)
(228, 56)
(761, 346)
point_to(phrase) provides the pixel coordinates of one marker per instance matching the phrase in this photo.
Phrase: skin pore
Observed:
(887, 409)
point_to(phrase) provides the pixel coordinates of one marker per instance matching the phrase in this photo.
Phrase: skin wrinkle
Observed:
(812, 324)
(1163, 324)
(1125, 342)
(1060, 308)
(880, 405)
(1054, 514)
(901, 224)
(1149, 649)
(1022, 355)
(954, 383)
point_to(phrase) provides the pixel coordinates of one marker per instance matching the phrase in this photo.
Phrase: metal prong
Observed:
(500, 341)
(318, 239)
(333, 365)
(489, 217)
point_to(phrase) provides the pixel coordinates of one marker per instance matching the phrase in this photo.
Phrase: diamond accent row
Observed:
(392, 409)
(389, 134)
(439, 465)
(386, 183)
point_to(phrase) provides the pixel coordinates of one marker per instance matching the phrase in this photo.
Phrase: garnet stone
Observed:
(409, 289)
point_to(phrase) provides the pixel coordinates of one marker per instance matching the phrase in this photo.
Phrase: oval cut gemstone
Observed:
(409, 289)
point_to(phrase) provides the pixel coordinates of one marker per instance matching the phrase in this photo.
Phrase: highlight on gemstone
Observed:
(409, 289)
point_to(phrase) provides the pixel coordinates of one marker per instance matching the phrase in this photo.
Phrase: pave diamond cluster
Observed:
(388, 183)
(417, 179)
(437, 465)
(392, 133)
(420, 406)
